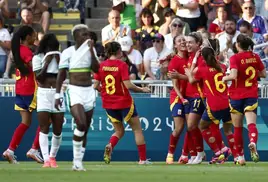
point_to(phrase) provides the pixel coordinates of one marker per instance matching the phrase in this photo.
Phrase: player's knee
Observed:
(191, 127)
(177, 131)
(120, 133)
(81, 126)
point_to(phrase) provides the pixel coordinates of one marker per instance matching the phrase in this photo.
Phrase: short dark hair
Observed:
(246, 24)
(231, 19)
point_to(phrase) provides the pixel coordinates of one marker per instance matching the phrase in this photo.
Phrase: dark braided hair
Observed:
(48, 43)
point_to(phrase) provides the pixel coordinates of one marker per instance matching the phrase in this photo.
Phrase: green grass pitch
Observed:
(132, 172)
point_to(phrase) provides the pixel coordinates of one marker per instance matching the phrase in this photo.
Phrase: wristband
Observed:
(195, 60)
(57, 96)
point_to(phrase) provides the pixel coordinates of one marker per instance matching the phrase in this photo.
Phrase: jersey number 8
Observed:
(110, 84)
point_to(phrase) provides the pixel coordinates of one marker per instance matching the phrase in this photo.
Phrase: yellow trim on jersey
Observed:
(210, 115)
(114, 120)
(79, 70)
(199, 90)
(251, 108)
(173, 103)
(130, 112)
(229, 122)
(209, 87)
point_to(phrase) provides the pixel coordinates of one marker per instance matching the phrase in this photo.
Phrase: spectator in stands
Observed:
(4, 10)
(146, 32)
(258, 23)
(114, 30)
(169, 15)
(217, 26)
(132, 69)
(133, 55)
(153, 55)
(40, 11)
(72, 5)
(5, 45)
(246, 28)
(213, 6)
(176, 28)
(188, 11)
(157, 7)
(227, 38)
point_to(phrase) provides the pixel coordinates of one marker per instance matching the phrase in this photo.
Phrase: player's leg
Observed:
(57, 122)
(251, 118)
(178, 118)
(216, 132)
(228, 132)
(44, 123)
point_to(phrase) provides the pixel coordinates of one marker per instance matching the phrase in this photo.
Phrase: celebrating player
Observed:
(245, 68)
(177, 95)
(217, 102)
(25, 100)
(45, 66)
(79, 60)
(114, 79)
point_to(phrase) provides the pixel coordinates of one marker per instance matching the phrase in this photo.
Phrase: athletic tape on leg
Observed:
(79, 133)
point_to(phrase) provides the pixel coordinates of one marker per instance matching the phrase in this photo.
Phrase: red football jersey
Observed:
(214, 28)
(25, 85)
(114, 94)
(177, 63)
(248, 64)
(194, 90)
(215, 90)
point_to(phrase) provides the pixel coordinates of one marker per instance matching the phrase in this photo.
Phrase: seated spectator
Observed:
(72, 5)
(213, 6)
(217, 26)
(169, 15)
(176, 28)
(157, 7)
(153, 55)
(127, 12)
(4, 10)
(246, 28)
(5, 45)
(132, 69)
(258, 23)
(133, 55)
(228, 37)
(114, 30)
(188, 11)
(147, 31)
(39, 10)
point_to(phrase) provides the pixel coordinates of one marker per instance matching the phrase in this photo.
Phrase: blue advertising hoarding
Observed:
(155, 119)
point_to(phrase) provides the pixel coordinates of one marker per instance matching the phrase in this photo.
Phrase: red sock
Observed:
(17, 136)
(211, 140)
(114, 140)
(191, 145)
(231, 144)
(142, 152)
(198, 139)
(238, 138)
(216, 132)
(252, 133)
(36, 145)
(185, 150)
(172, 144)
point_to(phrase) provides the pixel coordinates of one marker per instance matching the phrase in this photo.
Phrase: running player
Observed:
(114, 79)
(25, 100)
(45, 66)
(217, 103)
(177, 94)
(245, 67)
(79, 60)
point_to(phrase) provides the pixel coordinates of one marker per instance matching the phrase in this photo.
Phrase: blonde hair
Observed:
(78, 27)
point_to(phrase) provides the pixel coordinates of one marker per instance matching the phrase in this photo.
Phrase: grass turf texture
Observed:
(132, 172)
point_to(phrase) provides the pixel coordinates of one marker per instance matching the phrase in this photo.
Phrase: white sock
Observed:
(55, 145)
(77, 151)
(43, 141)
(83, 150)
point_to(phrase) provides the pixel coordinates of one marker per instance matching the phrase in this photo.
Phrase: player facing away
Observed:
(217, 102)
(79, 60)
(177, 95)
(245, 67)
(25, 100)
(45, 66)
(114, 80)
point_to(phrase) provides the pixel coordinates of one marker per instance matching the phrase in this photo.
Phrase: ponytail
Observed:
(209, 56)
(19, 36)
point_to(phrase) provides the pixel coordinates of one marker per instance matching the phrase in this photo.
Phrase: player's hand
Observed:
(58, 104)
(146, 90)
(173, 74)
(184, 101)
(49, 59)
(197, 54)
(224, 79)
(187, 71)
(91, 44)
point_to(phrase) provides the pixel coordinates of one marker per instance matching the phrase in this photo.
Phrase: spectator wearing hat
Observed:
(153, 56)
(176, 28)
(133, 55)
(115, 30)
(145, 33)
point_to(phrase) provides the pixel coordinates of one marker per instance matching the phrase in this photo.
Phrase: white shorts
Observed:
(46, 100)
(86, 96)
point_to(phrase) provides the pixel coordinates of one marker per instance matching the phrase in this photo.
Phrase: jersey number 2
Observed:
(251, 72)
(110, 84)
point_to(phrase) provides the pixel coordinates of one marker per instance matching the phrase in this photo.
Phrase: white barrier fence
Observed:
(159, 88)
